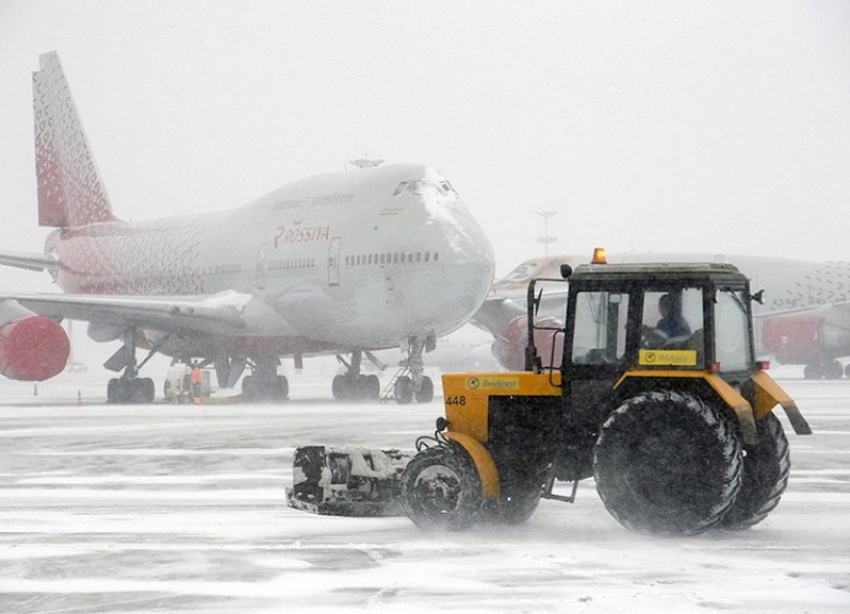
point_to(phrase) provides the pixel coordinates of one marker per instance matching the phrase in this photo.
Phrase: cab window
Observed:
(600, 327)
(731, 331)
(672, 328)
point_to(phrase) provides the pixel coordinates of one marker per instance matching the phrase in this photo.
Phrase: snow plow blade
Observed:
(348, 481)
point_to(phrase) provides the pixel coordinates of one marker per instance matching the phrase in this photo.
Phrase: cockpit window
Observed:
(422, 187)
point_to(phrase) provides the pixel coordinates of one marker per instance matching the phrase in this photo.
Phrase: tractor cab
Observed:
(639, 317)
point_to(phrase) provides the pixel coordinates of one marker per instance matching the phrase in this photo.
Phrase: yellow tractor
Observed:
(651, 386)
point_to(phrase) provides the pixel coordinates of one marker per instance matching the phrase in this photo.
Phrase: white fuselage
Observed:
(338, 262)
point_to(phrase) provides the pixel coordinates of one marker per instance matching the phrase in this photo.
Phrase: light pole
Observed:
(546, 239)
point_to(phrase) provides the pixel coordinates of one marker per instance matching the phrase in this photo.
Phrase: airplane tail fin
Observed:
(70, 192)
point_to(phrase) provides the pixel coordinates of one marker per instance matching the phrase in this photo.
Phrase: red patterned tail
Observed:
(70, 192)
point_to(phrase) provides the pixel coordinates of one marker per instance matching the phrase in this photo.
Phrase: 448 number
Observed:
(456, 400)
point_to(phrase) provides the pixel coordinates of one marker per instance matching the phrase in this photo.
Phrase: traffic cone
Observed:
(79, 398)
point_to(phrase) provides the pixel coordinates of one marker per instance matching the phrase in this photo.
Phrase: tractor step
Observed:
(348, 481)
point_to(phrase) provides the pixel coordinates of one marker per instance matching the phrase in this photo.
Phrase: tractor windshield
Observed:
(600, 327)
(671, 328)
(733, 351)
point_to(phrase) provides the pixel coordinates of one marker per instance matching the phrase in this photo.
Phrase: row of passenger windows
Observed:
(292, 263)
(393, 258)
(306, 263)
(222, 269)
(333, 199)
(318, 201)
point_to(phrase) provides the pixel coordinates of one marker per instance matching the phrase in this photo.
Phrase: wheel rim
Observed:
(441, 489)
(437, 491)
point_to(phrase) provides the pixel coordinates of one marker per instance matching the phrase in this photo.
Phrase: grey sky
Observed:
(649, 126)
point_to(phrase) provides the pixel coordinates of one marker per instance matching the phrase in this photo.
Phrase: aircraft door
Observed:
(333, 261)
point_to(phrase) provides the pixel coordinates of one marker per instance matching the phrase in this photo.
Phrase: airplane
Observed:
(804, 318)
(344, 263)
(469, 348)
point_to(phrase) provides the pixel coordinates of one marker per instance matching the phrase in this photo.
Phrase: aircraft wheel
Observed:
(248, 388)
(667, 462)
(403, 390)
(142, 390)
(766, 468)
(123, 391)
(425, 394)
(812, 371)
(441, 489)
(338, 387)
(373, 387)
(112, 391)
(832, 370)
(280, 388)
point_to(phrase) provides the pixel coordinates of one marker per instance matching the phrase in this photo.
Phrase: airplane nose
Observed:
(468, 265)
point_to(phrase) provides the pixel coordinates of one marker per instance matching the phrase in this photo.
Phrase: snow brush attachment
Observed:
(348, 481)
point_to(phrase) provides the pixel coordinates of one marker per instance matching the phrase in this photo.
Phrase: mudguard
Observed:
(484, 464)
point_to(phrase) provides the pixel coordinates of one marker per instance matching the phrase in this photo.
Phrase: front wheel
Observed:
(766, 468)
(403, 390)
(425, 394)
(667, 462)
(441, 489)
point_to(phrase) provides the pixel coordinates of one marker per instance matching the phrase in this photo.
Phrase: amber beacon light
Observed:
(599, 256)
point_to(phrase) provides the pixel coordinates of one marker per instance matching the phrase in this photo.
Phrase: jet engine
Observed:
(509, 346)
(807, 339)
(33, 348)
(792, 339)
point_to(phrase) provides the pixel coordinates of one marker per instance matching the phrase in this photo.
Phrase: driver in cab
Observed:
(671, 323)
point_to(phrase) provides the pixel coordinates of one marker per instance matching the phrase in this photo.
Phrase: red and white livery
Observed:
(377, 257)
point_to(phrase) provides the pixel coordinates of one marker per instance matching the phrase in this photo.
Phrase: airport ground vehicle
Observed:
(177, 388)
(677, 429)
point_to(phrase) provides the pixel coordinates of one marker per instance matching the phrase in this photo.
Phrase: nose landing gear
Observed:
(411, 382)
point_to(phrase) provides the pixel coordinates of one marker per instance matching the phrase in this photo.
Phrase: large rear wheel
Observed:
(667, 462)
(766, 468)
(441, 489)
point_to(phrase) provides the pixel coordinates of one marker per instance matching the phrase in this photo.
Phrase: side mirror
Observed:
(758, 297)
(566, 271)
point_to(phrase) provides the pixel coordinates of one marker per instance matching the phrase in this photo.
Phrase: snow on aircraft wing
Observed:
(214, 314)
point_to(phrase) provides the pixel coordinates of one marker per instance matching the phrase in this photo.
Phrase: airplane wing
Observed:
(839, 311)
(495, 314)
(214, 314)
(28, 260)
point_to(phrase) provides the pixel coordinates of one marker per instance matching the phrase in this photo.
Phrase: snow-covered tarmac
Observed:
(181, 509)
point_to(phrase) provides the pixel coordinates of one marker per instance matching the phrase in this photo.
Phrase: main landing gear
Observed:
(825, 369)
(129, 388)
(264, 384)
(408, 384)
(353, 385)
